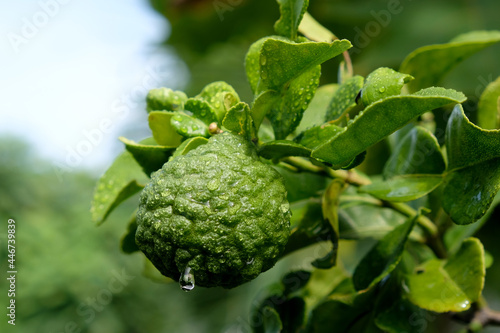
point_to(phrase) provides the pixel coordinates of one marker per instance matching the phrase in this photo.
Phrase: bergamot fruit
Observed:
(217, 213)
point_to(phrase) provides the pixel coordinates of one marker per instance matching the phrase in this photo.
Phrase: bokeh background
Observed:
(73, 77)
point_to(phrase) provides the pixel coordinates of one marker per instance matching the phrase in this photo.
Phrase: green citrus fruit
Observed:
(217, 213)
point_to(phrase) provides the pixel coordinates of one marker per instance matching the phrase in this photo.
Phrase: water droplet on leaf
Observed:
(186, 281)
(213, 184)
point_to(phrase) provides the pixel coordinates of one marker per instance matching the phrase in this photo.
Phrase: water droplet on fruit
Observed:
(177, 118)
(186, 281)
(263, 74)
(382, 89)
(203, 113)
(184, 129)
(263, 60)
(217, 104)
(195, 127)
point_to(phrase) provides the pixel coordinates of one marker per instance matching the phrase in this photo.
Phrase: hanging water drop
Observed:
(186, 281)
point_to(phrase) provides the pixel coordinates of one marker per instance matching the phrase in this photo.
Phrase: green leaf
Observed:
(473, 177)
(358, 220)
(201, 110)
(402, 316)
(252, 64)
(314, 115)
(188, 126)
(294, 281)
(188, 145)
(163, 132)
(321, 282)
(417, 152)
(313, 30)
(488, 116)
(330, 206)
(123, 179)
(379, 120)
(128, 244)
(221, 96)
(165, 99)
(469, 192)
(292, 12)
(453, 285)
(382, 83)
(293, 71)
(272, 322)
(150, 156)
(383, 258)
(343, 309)
(467, 144)
(262, 104)
(317, 135)
(282, 61)
(283, 148)
(239, 120)
(286, 113)
(278, 313)
(301, 185)
(403, 188)
(457, 233)
(344, 98)
(310, 228)
(429, 64)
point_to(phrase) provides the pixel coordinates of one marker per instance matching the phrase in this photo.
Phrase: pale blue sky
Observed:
(73, 74)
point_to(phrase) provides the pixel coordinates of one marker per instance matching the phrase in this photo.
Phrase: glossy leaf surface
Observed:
(473, 177)
(452, 285)
(292, 12)
(163, 131)
(379, 120)
(488, 116)
(344, 98)
(429, 64)
(123, 179)
(150, 156)
(403, 188)
(383, 258)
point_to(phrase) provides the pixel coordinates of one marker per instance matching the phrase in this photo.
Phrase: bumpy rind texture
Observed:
(218, 210)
